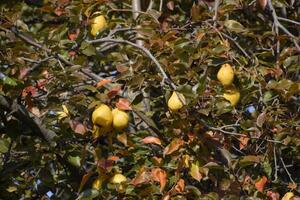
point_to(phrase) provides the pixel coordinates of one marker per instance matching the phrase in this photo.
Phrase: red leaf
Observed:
(78, 127)
(273, 195)
(123, 104)
(72, 53)
(35, 111)
(59, 11)
(103, 82)
(173, 146)
(30, 90)
(113, 158)
(262, 3)
(114, 91)
(151, 140)
(260, 184)
(74, 35)
(23, 72)
(160, 176)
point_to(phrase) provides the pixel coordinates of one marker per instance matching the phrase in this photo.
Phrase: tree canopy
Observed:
(210, 90)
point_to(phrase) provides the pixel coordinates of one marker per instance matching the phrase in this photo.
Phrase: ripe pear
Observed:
(98, 24)
(226, 74)
(118, 178)
(120, 119)
(233, 96)
(102, 116)
(174, 102)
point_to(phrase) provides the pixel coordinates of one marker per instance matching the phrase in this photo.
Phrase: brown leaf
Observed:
(173, 146)
(78, 127)
(262, 3)
(243, 142)
(142, 177)
(160, 176)
(105, 164)
(260, 184)
(114, 91)
(123, 104)
(170, 5)
(84, 179)
(151, 140)
(180, 186)
(122, 138)
(261, 119)
(103, 82)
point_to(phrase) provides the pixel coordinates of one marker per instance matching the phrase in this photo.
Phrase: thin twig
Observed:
(161, 2)
(287, 171)
(145, 50)
(275, 163)
(233, 40)
(279, 25)
(216, 7)
(288, 20)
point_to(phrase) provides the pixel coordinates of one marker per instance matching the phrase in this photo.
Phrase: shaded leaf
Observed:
(234, 26)
(261, 119)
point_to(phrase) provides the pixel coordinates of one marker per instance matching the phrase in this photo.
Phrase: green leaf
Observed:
(74, 160)
(4, 145)
(88, 194)
(9, 81)
(234, 26)
(87, 49)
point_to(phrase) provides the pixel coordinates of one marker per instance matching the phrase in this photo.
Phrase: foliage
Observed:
(54, 73)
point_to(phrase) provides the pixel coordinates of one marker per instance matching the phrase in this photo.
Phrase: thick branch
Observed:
(34, 123)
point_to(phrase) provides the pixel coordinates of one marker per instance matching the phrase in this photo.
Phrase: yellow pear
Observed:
(98, 24)
(233, 96)
(98, 131)
(120, 119)
(102, 116)
(226, 74)
(288, 196)
(118, 178)
(97, 184)
(174, 102)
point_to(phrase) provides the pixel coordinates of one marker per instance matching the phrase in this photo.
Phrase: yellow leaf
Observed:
(288, 196)
(195, 172)
(11, 189)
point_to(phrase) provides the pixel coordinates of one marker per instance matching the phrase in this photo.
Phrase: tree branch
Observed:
(277, 24)
(145, 50)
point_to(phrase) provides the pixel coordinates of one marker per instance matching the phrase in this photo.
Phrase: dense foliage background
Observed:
(52, 76)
